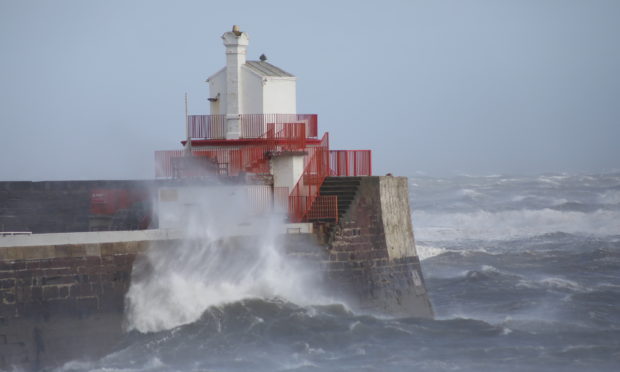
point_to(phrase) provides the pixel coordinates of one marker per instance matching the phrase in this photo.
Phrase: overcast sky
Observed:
(90, 89)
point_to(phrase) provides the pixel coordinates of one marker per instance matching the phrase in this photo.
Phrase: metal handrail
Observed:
(253, 126)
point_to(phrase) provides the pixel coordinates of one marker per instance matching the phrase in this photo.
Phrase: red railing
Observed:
(231, 161)
(307, 188)
(252, 125)
(163, 162)
(350, 162)
(207, 126)
(259, 199)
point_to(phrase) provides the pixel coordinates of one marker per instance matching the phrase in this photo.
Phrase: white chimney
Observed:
(236, 43)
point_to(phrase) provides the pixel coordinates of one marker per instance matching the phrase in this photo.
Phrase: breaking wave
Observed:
(174, 285)
(511, 224)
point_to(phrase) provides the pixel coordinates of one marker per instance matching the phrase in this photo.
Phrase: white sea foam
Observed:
(553, 283)
(428, 251)
(610, 197)
(441, 226)
(471, 193)
(175, 285)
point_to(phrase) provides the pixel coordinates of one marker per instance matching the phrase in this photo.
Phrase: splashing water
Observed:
(212, 265)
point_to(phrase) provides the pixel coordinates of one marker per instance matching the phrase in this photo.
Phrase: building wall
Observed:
(252, 92)
(217, 84)
(279, 96)
(259, 95)
(287, 170)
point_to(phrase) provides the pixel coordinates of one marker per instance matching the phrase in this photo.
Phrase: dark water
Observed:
(523, 273)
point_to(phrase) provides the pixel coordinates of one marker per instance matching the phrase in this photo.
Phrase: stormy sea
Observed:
(523, 274)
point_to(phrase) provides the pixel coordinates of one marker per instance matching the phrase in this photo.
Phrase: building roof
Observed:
(267, 69)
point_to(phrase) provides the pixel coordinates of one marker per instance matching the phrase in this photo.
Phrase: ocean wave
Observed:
(488, 272)
(505, 225)
(554, 283)
(609, 197)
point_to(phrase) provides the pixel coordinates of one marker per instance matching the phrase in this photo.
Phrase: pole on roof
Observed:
(188, 144)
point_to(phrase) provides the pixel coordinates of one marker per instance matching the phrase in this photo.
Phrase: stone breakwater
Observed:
(64, 299)
(60, 302)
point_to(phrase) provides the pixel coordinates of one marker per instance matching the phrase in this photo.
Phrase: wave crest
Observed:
(504, 225)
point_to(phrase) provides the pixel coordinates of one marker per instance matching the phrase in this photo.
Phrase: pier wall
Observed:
(60, 302)
(56, 206)
(372, 251)
(67, 206)
(62, 295)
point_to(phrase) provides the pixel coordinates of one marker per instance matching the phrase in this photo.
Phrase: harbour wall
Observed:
(60, 302)
(57, 206)
(372, 253)
(66, 301)
(68, 206)
(62, 295)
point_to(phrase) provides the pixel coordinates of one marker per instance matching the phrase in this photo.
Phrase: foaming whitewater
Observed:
(482, 224)
(497, 207)
(214, 264)
(523, 274)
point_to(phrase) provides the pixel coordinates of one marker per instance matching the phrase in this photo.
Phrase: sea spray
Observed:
(214, 264)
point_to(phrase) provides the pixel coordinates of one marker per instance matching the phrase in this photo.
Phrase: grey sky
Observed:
(89, 89)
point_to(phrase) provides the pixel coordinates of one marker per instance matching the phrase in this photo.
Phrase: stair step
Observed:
(348, 190)
(345, 182)
(344, 188)
(339, 195)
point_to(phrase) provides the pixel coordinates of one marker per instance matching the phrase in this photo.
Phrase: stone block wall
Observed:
(64, 206)
(372, 252)
(54, 206)
(55, 308)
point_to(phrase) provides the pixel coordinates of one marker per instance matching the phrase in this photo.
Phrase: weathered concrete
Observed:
(87, 239)
(396, 217)
(372, 252)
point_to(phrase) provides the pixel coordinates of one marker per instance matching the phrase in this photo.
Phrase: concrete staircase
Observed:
(345, 188)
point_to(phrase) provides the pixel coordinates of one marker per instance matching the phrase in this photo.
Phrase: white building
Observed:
(248, 87)
(255, 136)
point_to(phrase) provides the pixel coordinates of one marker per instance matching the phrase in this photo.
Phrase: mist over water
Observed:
(523, 273)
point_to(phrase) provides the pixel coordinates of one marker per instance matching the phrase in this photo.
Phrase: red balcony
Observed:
(253, 126)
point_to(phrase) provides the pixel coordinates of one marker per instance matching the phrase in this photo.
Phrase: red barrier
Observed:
(350, 162)
(259, 199)
(252, 125)
(230, 161)
(207, 126)
(307, 188)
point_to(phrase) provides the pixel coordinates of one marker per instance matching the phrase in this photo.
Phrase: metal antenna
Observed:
(188, 144)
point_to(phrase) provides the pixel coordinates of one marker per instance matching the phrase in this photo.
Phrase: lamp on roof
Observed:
(236, 30)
